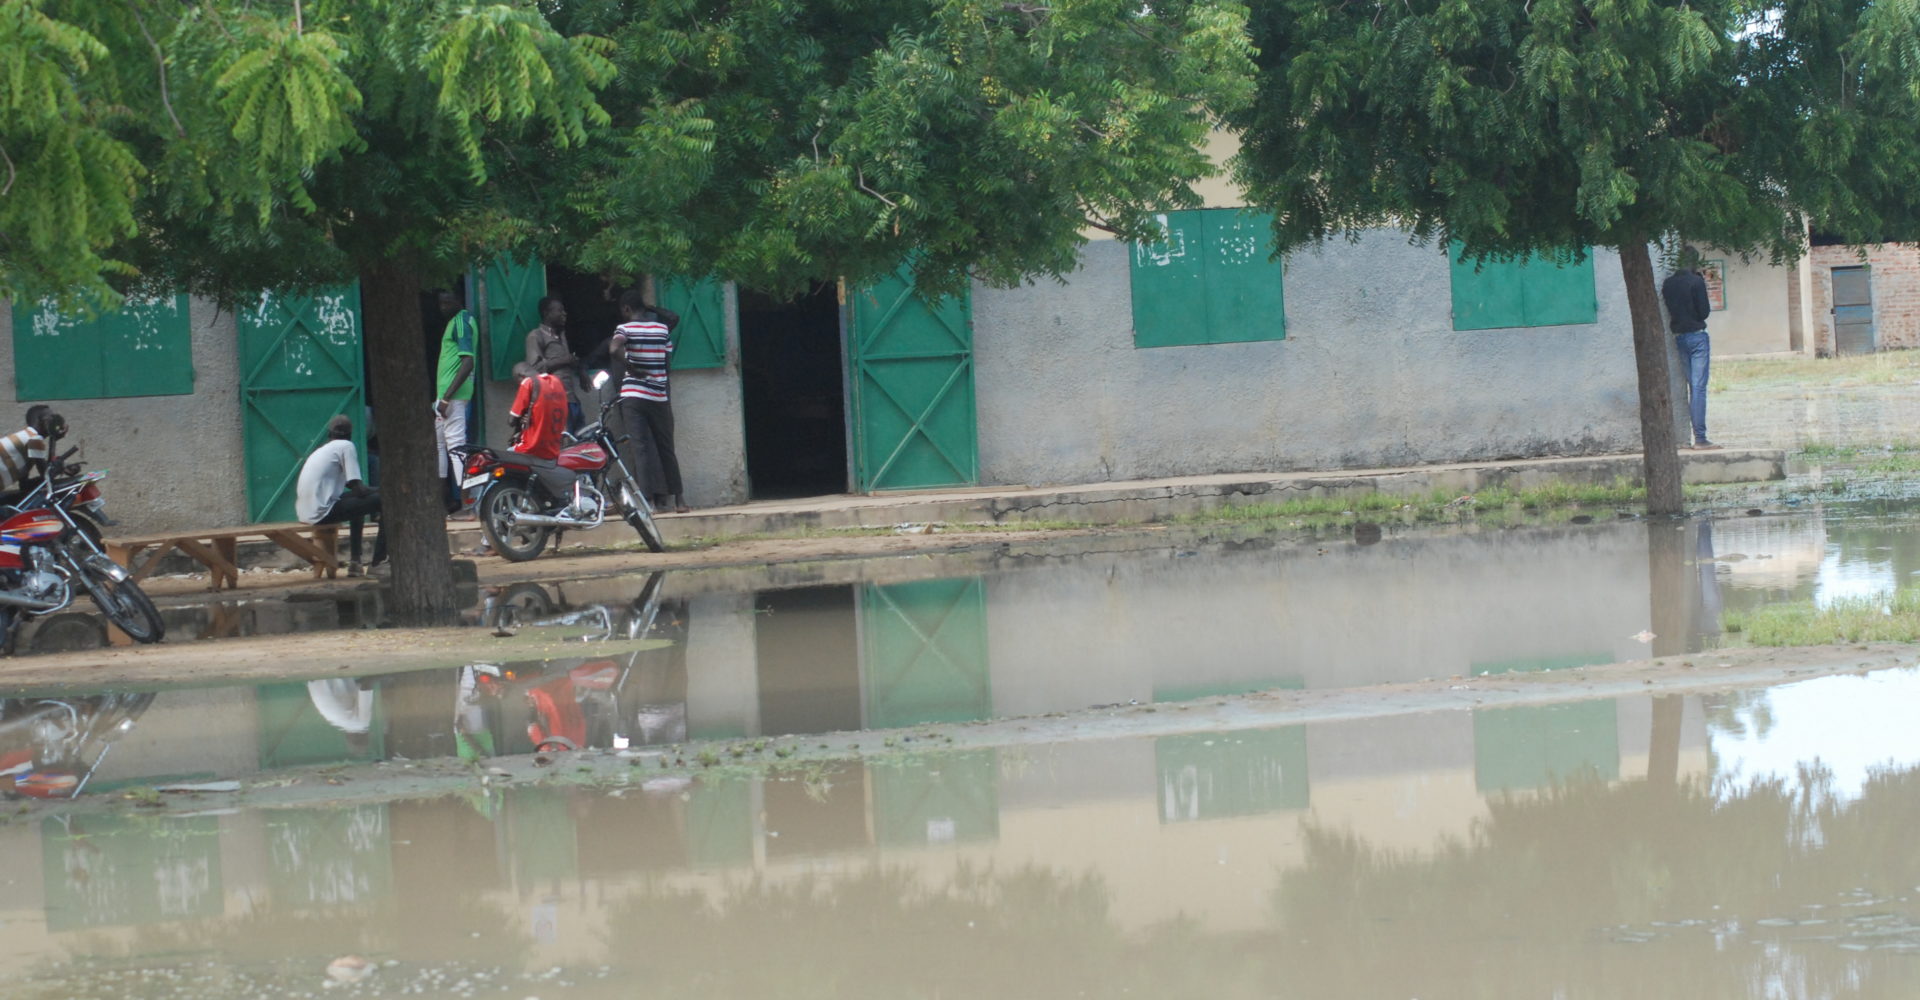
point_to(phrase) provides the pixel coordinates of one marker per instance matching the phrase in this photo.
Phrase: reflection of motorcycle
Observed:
(51, 747)
(568, 704)
(527, 500)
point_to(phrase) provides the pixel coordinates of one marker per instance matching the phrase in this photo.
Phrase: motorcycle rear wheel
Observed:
(515, 543)
(125, 605)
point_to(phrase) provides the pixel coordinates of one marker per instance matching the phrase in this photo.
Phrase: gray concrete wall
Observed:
(176, 461)
(709, 422)
(1371, 373)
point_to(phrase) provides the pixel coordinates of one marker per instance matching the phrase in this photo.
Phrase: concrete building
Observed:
(1840, 299)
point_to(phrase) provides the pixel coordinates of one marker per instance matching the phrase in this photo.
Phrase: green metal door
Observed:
(923, 652)
(300, 364)
(912, 381)
(514, 291)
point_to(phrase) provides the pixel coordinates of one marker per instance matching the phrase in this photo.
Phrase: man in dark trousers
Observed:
(330, 491)
(642, 347)
(1685, 292)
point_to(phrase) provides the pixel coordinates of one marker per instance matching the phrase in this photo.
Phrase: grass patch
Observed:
(1437, 505)
(1880, 368)
(1883, 617)
(1822, 449)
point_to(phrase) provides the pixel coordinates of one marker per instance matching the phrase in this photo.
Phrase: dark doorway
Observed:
(809, 660)
(794, 396)
(593, 310)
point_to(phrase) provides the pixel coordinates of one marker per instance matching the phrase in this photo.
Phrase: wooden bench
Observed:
(218, 549)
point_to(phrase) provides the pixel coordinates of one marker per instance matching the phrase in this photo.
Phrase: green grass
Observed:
(1437, 505)
(1882, 617)
(1821, 449)
(1881, 368)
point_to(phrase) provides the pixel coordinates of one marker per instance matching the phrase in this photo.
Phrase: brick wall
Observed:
(1896, 292)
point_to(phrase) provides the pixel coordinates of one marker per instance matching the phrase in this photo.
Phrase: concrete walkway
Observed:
(1148, 500)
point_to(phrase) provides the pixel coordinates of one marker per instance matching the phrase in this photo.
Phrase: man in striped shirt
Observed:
(643, 346)
(24, 452)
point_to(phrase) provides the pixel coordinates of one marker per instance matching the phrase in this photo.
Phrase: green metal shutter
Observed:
(1515, 749)
(514, 291)
(923, 652)
(956, 801)
(300, 364)
(103, 870)
(144, 348)
(702, 333)
(1486, 296)
(1559, 294)
(328, 857)
(912, 373)
(1244, 301)
(1220, 775)
(1521, 293)
(1169, 284)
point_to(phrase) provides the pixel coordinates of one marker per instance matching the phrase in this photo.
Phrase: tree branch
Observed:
(11, 173)
(160, 61)
(860, 178)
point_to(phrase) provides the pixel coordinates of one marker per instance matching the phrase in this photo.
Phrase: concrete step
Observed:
(1141, 501)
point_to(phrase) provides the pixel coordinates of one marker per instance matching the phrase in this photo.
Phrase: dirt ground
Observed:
(576, 562)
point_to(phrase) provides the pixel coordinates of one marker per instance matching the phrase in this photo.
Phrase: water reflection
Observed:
(1030, 636)
(1435, 856)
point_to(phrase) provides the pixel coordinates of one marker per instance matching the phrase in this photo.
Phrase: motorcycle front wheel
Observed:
(498, 508)
(639, 514)
(125, 605)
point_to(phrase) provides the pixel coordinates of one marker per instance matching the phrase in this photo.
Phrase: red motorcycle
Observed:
(44, 554)
(528, 500)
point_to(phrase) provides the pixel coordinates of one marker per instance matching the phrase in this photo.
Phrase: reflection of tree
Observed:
(1739, 713)
(888, 932)
(1533, 902)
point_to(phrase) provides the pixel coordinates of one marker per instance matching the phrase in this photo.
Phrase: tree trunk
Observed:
(1652, 348)
(412, 513)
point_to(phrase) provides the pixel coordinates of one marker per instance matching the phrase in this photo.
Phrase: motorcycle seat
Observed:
(530, 461)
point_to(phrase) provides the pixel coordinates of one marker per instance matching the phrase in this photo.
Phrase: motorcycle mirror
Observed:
(600, 379)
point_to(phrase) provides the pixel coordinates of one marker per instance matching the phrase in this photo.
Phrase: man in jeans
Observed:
(330, 491)
(1685, 292)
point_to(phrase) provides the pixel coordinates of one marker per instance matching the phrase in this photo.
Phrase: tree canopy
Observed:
(1557, 125)
(783, 141)
(1552, 126)
(224, 147)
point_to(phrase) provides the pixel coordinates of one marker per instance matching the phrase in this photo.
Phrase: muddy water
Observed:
(903, 642)
(1721, 846)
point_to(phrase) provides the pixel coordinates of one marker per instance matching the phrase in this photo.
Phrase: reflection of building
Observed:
(1193, 824)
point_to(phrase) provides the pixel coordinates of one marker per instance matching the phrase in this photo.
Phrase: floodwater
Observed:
(1752, 845)
(1746, 844)
(895, 643)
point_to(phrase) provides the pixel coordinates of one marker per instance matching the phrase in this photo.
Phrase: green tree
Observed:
(787, 141)
(1552, 126)
(229, 146)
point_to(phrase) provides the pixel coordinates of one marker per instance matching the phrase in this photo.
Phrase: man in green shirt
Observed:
(453, 390)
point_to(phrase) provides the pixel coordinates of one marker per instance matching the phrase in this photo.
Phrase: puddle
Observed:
(1703, 846)
(1141, 622)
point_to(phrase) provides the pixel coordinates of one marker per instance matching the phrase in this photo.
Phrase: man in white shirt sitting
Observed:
(330, 491)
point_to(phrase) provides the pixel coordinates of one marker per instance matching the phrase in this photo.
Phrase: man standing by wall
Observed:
(1685, 292)
(549, 354)
(643, 346)
(454, 389)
